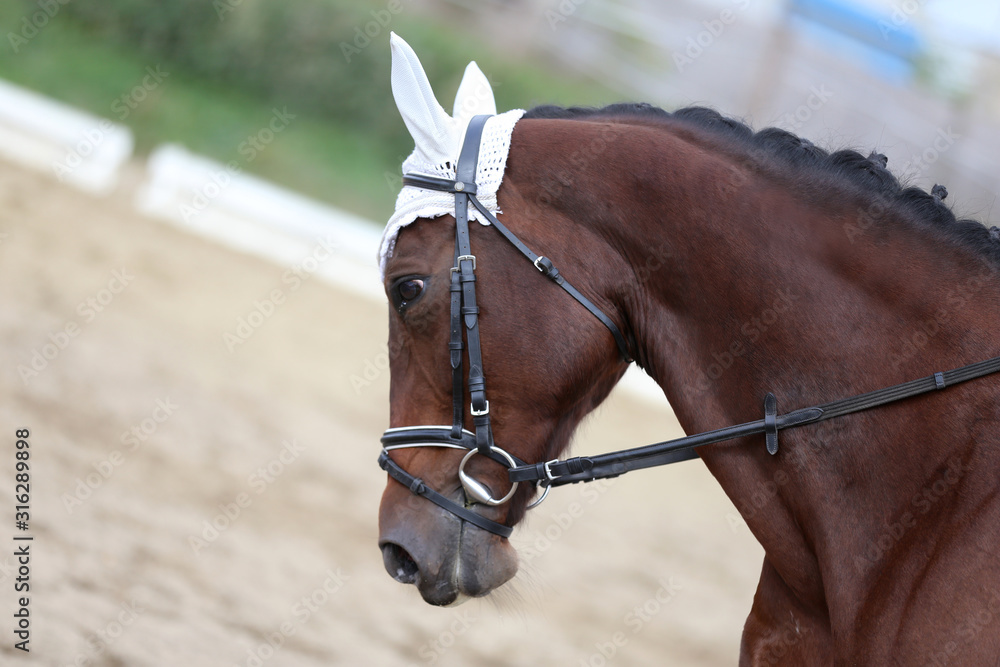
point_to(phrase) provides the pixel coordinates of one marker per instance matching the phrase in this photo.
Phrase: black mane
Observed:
(869, 175)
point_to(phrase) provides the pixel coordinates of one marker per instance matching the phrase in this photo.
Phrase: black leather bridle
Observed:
(464, 316)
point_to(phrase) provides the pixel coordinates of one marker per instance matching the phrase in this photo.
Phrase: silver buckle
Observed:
(458, 262)
(537, 260)
(548, 470)
(480, 413)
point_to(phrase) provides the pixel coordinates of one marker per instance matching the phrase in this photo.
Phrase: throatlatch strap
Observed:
(549, 270)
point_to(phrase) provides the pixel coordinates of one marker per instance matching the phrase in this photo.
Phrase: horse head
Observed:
(545, 361)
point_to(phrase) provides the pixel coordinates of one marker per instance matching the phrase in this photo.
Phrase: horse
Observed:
(734, 264)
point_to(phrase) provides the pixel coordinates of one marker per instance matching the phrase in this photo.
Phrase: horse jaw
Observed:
(447, 559)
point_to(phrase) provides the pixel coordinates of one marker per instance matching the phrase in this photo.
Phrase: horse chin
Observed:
(448, 560)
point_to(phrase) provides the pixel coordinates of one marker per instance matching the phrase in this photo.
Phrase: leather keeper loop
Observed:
(545, 265)
(771, 423)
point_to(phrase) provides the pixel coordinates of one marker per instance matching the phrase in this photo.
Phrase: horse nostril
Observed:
(399, 564)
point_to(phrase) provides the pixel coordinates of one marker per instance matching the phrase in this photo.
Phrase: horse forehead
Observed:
(423, 239)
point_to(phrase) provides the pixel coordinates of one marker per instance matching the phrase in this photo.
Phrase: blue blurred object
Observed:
(889, 43)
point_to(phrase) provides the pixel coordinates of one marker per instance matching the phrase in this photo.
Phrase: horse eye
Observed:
(406, 291)
(411, 289)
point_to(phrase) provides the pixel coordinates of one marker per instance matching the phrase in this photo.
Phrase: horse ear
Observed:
(434, 132)
(474, 97)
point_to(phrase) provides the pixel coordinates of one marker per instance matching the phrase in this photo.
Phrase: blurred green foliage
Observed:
(285, 52)
(328, 57)
(231, 61)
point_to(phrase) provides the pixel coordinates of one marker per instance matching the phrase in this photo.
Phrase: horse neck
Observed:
(746, 286)
(734, 286)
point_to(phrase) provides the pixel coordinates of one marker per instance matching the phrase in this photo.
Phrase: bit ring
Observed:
(478, 491)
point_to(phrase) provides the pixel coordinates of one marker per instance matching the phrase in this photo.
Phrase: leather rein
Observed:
(464, 318)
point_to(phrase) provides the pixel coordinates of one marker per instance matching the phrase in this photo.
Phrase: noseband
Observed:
(465, 316)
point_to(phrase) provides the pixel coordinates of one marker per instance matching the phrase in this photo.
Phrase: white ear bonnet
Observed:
(437, 138)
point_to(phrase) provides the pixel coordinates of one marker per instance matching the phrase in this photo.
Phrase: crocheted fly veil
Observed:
(437, 139)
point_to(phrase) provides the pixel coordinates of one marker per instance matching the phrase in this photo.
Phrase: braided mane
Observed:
(868, 175)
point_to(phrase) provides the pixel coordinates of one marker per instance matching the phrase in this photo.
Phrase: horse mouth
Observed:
(449, 572)
(440, 591)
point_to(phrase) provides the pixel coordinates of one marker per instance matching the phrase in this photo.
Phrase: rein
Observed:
(589, 468)
(465, 316)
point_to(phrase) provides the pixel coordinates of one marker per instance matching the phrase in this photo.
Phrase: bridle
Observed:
(464, 319)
